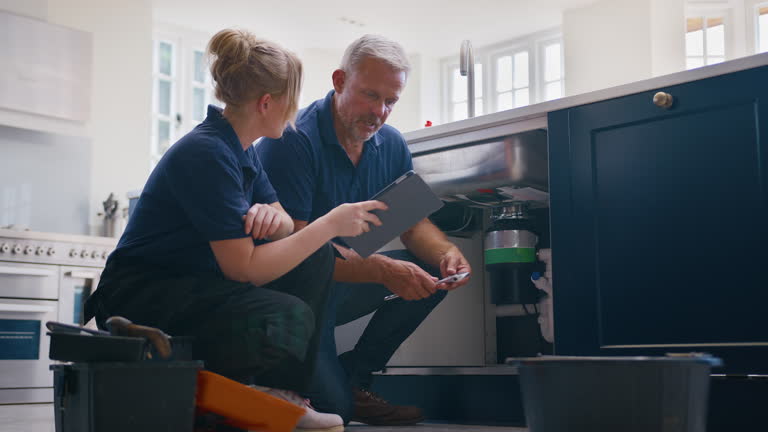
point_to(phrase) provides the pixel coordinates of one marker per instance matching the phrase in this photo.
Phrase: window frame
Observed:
(756, 20)
(185, 43)
(510, 50)
(155, 152)
(706, 11)
(541, 46)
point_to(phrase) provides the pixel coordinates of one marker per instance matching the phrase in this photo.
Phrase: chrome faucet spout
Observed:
(467, 69)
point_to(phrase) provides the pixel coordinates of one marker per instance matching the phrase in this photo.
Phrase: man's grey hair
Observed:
(378, 47)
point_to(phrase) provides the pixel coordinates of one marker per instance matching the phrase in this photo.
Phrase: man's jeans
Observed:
(393, 322)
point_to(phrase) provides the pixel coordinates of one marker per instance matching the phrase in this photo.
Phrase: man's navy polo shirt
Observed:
(198, 193)
(312, 172)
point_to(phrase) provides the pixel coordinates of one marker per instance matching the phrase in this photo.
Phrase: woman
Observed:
(209, 251)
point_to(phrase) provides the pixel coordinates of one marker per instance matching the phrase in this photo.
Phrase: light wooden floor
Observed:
(430, 427)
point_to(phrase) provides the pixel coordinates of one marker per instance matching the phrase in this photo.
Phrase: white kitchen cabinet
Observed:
(46, 73)
(27, 418)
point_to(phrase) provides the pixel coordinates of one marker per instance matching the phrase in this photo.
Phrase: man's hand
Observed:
(408, 280)
(453, 262)
(262, 221)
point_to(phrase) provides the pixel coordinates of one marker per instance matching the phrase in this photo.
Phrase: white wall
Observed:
(406, 116)
(31, 8)
(613, 42)
(667, 34)
(319, 65)
(120, 124)
(430, 98)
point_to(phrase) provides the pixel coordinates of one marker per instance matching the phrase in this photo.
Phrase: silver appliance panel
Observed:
(19, 280)
(23, 343)
(518, 160)
(43, 277)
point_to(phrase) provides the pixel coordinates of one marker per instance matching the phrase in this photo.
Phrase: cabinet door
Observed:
(660, 223)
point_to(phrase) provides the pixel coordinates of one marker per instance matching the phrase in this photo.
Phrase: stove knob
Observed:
(51, 252)
(83, 253)
(94, 254)
(104, 255)
(5, 248)
(40, 250)
(29, 250)
(17, 249)
(72, 253)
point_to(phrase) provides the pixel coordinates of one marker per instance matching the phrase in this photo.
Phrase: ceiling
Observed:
(429, 27)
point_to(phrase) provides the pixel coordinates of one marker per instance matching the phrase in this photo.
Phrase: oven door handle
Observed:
(25, 271)
(12, 307)
(82, 274)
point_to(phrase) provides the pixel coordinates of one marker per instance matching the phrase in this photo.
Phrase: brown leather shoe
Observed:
(371, 409)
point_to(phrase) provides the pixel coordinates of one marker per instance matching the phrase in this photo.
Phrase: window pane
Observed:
(163, 135)
(715, 60)
(716, 40)
(198, 104)
(521, 98)
(478, 79)
(164, 97)
(459, 111)
(552, 62)
(165, 58)
(694, 43)
(504, 74)
(458, 86)
(553, 90)
(521, 69)
(199, 67)
(504, 101)
(478, 106)
(694, 62)
(763, 32)
(693, 24)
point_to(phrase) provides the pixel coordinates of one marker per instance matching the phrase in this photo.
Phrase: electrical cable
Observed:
(525, 308)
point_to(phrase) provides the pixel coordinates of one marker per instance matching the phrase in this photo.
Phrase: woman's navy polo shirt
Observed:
(312, 172)
(198, 193)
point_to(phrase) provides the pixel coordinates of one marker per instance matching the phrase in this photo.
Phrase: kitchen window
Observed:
(512, 81)
(553, 82)
(704, 41)
(507, 76)
(165, 83)
(762, 28)
(181, 88)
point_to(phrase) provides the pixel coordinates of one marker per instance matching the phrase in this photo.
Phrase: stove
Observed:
(43, 277)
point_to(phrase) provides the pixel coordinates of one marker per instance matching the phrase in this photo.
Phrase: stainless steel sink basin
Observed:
(481, 169)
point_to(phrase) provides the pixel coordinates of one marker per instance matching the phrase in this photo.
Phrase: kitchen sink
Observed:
(510, 168)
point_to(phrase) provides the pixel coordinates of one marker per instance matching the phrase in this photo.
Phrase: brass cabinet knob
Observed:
(663, 100)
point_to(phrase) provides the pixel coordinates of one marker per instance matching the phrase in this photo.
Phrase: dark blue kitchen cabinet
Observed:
(659, 223)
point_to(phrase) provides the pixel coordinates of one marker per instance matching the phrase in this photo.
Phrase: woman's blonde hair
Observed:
(245, 68)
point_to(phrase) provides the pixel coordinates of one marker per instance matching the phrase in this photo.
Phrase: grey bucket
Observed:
(626, 394)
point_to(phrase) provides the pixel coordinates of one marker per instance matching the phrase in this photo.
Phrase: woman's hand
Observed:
(262, 221)
(351, 220)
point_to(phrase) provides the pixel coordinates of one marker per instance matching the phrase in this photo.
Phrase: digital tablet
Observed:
(409, 200)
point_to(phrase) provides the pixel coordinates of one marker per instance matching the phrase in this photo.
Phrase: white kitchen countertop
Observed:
(47, 236)
(535, 116)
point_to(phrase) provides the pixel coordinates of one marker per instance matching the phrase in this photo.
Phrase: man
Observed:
(341, 151)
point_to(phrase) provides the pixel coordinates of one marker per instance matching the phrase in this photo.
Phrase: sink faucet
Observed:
(467, 69)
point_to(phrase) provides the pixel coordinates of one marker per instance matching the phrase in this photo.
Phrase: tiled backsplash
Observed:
(45, 181)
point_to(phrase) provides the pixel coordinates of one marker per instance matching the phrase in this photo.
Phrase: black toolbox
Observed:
(121, 384)
(125, 397)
